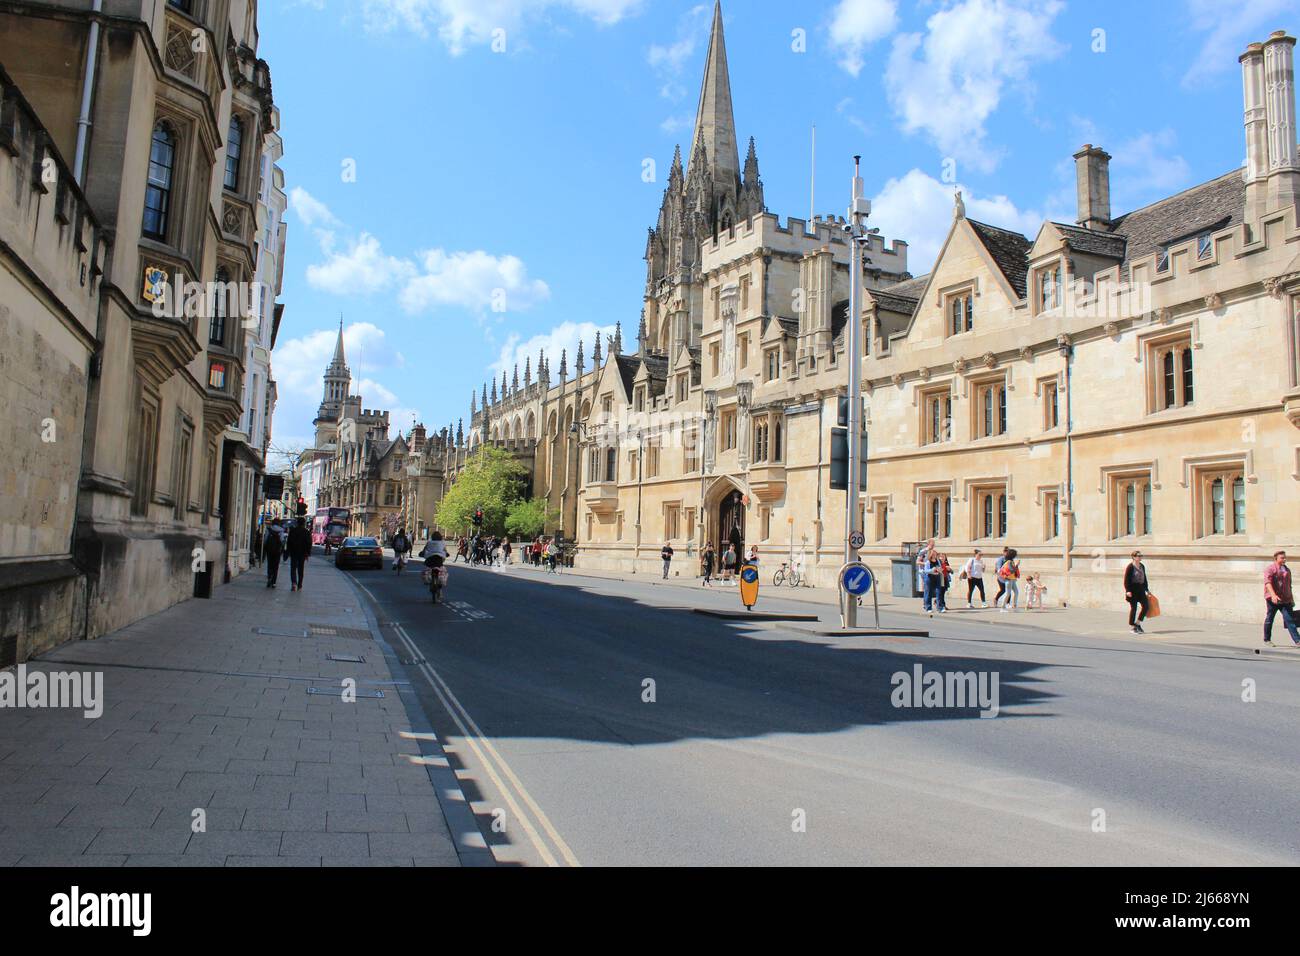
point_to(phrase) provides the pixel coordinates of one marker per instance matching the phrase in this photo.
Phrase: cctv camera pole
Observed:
(859, 209)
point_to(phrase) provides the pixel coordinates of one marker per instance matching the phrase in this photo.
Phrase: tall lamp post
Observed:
(859, 209)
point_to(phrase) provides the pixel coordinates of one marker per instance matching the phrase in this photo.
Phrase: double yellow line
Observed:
(497, 769)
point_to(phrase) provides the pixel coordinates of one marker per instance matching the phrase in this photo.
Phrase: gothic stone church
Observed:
(1123, 381)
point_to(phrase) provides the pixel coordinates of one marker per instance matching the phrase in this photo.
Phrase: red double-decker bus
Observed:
(330, 527)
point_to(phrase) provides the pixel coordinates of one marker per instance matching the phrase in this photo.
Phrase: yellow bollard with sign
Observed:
(749, 585)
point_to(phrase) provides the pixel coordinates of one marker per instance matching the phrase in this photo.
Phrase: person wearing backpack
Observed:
(273, 549)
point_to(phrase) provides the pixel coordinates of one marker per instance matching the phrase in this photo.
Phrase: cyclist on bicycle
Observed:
(401, 548)
(434, 554)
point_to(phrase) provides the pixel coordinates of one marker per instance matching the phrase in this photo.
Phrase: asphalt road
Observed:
(764, 744)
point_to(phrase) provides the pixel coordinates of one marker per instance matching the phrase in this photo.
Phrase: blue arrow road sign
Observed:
(857, 579)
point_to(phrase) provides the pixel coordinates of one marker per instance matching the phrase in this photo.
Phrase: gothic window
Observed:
(936, 514)
(961, 312)
(1052, 516)
(778, 452)
(761, 435)
(1171, 372)
(1204, 247)
(936, 406)
(611, 464)
(220, 309)
(1131, 505)
(728, 430)
(1051, 405)
(773, 367)
(234, 147)
(991, 409)
(1049, 287)
(158, 188)
(1222, 502)
(990, 518)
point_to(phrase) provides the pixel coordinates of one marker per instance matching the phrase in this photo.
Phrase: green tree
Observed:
(528, 517)
(492, 480)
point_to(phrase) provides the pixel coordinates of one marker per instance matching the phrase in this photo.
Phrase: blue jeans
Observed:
(1288, 620)
(930, 594)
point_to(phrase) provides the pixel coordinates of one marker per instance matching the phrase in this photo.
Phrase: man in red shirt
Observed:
(1279, 598)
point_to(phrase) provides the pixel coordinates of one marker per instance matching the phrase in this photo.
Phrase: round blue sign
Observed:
(856, 579)
(749, 574)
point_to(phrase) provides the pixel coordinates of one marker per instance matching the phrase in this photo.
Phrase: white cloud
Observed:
(473, 280)
(1146, 168)
(299, 364)
(948, 81)
(1228, 26)
(564, 336)
(461, 24)
(364, 267)
(918, 209)
(670, 60)
(310, 210)
(856, 24)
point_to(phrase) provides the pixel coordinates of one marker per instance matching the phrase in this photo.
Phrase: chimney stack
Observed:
(1092, 184)
(1279, 110)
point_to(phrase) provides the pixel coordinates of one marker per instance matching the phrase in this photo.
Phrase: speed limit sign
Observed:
(856, 540)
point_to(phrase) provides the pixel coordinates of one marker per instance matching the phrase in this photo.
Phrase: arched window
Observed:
(158, 188)
(234, 147)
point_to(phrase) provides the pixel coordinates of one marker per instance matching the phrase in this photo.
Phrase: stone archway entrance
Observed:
(731, 523)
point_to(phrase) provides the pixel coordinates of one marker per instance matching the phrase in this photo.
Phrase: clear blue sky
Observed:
(478, 169)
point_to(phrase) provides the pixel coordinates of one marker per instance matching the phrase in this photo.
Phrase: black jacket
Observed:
(272, 546)
(299, 542)
(1131, 585)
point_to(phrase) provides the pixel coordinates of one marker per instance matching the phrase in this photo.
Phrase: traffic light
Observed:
(301, 508)
(840, 460)
(478, 518)
(842, 411)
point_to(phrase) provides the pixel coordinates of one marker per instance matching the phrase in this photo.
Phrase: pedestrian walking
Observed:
(932, 571)
(1279, 598)
(272, 547)
(706, 560)
(997, 573)
(1034, 591)
(945, 581)
(1009, 575)
(923, 555)
(299, 551)
(667, 555)
(973, 572)
(728, 563)
(506, 551)
(1137, 589)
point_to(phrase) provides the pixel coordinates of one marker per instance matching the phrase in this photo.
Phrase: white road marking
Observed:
(457, 710)
(474, 736)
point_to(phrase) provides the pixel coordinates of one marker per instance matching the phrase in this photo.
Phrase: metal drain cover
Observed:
(338, 692)
(272, 632)
(346, 658)
(330, 630)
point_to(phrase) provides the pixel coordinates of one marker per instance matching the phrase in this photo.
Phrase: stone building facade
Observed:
(354, 464)
(1119, 382)
(131, 137)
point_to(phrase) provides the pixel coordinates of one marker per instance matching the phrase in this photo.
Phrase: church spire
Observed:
(618, 338)
(715, 125)
(339, 360)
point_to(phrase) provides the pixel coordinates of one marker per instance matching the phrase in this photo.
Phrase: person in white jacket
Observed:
(973, 572)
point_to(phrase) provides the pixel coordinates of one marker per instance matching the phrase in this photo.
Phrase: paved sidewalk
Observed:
(204, 713)
(1093, 622)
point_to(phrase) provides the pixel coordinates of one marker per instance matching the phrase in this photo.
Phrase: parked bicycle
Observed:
(785, 573)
